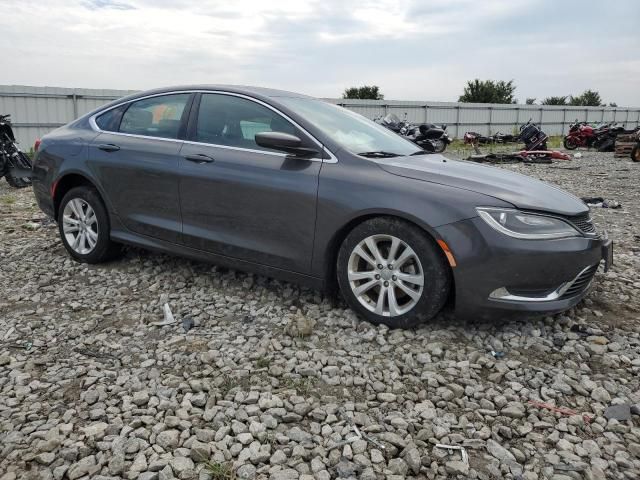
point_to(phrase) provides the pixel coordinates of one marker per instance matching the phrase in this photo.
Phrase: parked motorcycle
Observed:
(602, 137)
(582, 134)
(15, 166)
(530, 134)
(431, 138)
(533, 137)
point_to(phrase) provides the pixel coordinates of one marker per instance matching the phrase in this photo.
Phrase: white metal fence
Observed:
(492, 118)
(38, 110)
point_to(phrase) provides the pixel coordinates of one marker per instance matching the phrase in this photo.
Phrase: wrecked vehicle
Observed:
(15, 166)
(431, 138)
(293, 187)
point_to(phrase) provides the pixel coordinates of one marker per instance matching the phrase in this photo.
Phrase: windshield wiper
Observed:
(379, 154)
(420, 152)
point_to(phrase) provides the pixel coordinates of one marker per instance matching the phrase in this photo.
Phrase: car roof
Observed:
(268, 95)
(242, 89)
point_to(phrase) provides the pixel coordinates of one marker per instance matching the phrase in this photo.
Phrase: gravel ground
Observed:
(276, 381)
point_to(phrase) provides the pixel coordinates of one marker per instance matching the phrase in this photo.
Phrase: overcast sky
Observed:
(414, 50)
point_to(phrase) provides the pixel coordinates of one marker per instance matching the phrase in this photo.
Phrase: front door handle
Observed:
(199, 158)
(108, 147)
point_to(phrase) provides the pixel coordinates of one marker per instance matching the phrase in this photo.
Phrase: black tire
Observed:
(607, 145)
(104, 249)
(569, 144)
(434, 266)
(635, 153)
(18, 182)
(439, 146)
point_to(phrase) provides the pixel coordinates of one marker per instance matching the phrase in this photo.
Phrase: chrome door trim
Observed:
(94, 125)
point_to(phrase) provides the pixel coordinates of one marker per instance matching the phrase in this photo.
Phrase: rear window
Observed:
(155, 117)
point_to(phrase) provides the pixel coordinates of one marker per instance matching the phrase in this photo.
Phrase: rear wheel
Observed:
(439, 146)
(84, 226)
(635, 153)
(607, 145)
(17, 182)
(391, 272)
(23, 162)
(569, 143)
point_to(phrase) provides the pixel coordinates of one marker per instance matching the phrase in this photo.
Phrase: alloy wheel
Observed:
(80, 226)
(385, 275)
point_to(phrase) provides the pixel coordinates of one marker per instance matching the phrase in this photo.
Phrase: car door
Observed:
(239, 199)
(136, 159)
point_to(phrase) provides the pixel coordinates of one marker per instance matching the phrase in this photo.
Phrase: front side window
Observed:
(234, 121)
(155, 116)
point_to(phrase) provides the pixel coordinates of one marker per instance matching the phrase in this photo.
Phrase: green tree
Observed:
(589, 98)
(363, 93)
(555, 101)
(488, 91)
(530, 101)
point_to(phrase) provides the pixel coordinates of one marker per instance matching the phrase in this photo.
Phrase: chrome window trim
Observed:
(94, 125)
(263, 152)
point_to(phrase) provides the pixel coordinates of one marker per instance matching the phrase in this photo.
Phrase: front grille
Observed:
(581, 282)
(583, 222)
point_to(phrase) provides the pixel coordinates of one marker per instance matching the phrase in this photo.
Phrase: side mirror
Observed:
(284, 142)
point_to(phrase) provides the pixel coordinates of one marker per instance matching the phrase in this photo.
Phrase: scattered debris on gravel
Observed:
(248, 377)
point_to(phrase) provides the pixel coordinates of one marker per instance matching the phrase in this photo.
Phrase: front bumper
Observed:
(497, 275)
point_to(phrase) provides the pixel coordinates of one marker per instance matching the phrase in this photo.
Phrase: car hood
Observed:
(519, 190)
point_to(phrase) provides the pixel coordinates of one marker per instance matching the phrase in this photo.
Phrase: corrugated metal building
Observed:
(38, 110)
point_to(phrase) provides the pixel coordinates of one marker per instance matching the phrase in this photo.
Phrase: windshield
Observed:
(392, 119)
(348, 129)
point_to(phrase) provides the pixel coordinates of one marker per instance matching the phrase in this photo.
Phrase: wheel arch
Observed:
(333, 246)
(68, 181)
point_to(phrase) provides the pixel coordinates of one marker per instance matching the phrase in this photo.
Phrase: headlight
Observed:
(528, 226)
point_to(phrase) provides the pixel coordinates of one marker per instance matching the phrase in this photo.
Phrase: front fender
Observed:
(349, 193)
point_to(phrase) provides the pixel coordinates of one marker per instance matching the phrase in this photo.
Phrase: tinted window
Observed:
(110, 121)
(155, 117)
(234, 121)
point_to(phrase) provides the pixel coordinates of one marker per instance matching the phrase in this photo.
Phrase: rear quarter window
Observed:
(110, 120)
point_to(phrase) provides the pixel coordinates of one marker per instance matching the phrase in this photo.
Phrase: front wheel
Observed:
(393, 273)
(83, 222)
(569, 143)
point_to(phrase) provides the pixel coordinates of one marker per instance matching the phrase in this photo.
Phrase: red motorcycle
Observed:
(580, 135)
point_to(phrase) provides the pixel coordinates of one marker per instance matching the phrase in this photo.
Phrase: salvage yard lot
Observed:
(272, 377)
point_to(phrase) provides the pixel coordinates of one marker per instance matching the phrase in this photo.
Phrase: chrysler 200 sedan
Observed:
(290, 186)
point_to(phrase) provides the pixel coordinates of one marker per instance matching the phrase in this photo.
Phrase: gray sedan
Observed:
(293, 187)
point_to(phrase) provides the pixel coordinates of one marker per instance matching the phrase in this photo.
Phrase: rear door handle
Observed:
(199, 158)
(108, 147)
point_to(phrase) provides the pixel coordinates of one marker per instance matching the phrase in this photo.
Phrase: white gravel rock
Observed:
(274, 379)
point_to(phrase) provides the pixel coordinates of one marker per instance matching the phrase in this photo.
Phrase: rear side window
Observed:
(155, 117)
(234, 121)
(110, 121)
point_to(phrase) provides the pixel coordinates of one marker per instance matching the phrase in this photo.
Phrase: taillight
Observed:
(36, 145)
